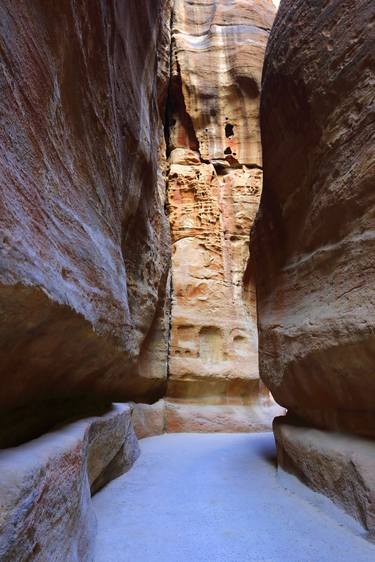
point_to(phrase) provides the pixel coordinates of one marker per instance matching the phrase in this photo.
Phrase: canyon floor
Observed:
(218, 498)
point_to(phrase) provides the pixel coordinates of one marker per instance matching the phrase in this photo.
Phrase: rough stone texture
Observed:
(313, 243)
(84, 237)
(314, 239)
(217, 58)
(339, 465)
(45, 502)
(226, 418)
(149, 419)
(214, 339)
(214, 187)
(112, 446)
(176, 416)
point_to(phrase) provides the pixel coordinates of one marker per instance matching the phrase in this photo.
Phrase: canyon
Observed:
(186, 246)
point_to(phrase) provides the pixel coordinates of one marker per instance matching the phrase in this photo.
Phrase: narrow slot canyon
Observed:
(187, 273)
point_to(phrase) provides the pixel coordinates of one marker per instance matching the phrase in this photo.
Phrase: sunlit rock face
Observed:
(217, 59)
(314, 241)
(214, 187)
(84, 237)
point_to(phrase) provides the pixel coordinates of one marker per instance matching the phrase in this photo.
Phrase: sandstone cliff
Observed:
(314, 239)
(313, 242)
(84, 236)
(213, 194)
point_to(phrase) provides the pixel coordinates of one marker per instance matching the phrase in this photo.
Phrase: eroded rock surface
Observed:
(45, 500)
(314, 241)
(84, 237)
(339, 465)
(149, 419)
(214, 187)
(184, 417)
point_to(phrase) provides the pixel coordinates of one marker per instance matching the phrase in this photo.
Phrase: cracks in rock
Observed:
(253, 167)
(229, 131)
(167, 116)
(169, 328)
(223, 167)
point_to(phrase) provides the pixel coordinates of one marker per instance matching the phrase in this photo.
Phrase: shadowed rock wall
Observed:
(84, 243)
(314, 237)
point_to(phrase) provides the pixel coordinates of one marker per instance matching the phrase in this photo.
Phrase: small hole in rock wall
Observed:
(229, 130)
(228, 150)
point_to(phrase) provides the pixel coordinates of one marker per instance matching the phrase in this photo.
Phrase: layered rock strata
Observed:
(214, 187)
(84, 236)
(46, 511)
(313, 241)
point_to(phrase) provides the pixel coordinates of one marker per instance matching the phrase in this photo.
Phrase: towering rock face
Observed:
(84, 237)
(313, 241)
(213, 193)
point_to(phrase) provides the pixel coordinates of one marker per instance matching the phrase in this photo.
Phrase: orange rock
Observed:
(214, 187)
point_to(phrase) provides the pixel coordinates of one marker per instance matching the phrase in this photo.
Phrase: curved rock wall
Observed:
(214, 187)
(84, 239)
(313, 242)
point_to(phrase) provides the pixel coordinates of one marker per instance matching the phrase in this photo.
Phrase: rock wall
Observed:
(214, 187)
(85, 243)
(313, 241)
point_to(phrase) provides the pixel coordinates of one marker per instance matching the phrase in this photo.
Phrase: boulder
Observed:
(45, 500)
(149, 419)
(337, 465)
